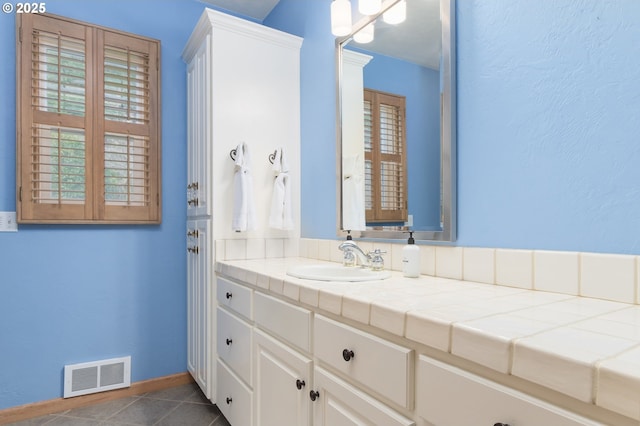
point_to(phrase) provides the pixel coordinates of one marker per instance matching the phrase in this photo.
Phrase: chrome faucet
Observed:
(350, 248)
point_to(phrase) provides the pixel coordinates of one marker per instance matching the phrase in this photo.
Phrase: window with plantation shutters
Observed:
(385, 157)
(88, 148)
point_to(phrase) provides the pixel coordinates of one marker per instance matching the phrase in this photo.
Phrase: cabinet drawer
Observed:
(234, 398)
(384, 367)
(283, 319)
(235, 297)
(442, 390)
(235, 343)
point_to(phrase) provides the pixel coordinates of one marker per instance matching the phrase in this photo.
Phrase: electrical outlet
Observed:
(8, 222)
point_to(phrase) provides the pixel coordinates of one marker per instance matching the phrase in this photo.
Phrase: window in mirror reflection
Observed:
(385, 158)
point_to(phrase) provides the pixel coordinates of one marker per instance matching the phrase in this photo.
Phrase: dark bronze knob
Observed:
(347, 354)
(314, 395)
(229, 400)
(229, 295)
(229, 342)
(300, 384)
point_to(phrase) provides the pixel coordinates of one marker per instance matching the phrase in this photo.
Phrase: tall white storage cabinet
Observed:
(243, 85)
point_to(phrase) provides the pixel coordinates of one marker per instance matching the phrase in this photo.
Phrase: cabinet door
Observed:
(340, 404)
(192, 309)
(199, 132)
(200, 303)
(448, 396)
(282, 384)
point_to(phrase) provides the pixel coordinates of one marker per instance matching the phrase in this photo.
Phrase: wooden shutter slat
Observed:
(385, 173)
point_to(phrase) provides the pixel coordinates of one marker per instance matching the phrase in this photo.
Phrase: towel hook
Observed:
(272, 157)
(233, 154)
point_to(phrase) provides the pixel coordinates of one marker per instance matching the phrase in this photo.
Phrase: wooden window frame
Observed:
(132, 169)
(378, 213)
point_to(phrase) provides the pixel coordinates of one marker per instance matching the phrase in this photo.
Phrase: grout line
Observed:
(168, 412)
(123, 408)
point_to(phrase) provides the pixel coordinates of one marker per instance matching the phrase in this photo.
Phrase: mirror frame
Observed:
(447, 133)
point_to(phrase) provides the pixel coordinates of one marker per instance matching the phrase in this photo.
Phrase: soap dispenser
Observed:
(411, 258)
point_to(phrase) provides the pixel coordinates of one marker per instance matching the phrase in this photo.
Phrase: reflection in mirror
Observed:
(396, 138)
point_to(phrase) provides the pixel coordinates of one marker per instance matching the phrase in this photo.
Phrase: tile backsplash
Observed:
(601, 276)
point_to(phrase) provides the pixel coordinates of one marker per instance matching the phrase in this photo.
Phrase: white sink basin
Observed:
(336, 273)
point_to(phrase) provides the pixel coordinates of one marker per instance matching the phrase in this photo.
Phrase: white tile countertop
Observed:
(586, 348)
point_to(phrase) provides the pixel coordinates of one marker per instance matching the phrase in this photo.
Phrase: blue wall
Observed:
(549, 158)
(311, 20)
(80, 293)
(548, 123)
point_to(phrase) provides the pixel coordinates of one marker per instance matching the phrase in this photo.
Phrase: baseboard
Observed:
(37, 409)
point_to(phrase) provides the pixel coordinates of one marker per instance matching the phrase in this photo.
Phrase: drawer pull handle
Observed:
(501, 424)
(229, 400)
(229, 295)
(300, 384)
(229, 342)
(347, 355)
(314, 395)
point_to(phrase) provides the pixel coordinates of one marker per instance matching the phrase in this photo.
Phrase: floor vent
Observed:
(97, 376)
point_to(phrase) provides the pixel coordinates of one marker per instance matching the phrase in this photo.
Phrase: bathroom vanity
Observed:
(295, 351)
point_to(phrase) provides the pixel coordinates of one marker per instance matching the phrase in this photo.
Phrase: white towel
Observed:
(244, 214)
(281, 215)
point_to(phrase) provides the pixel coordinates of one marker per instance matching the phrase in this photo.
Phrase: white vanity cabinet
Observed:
(449, 396)
(308, 367)
(273, 381)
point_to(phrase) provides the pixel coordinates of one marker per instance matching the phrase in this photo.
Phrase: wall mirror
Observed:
(396, 122)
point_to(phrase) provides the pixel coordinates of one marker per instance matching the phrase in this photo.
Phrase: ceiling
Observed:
(416, 40)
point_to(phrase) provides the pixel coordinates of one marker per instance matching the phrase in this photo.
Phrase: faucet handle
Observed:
(349, 258)
(377, 261)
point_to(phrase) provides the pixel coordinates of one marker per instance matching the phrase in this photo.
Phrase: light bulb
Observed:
(369, 7)
(397, 13)
(365, 35)
(340, 18)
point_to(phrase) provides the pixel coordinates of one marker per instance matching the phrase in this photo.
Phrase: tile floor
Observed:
(178, 406)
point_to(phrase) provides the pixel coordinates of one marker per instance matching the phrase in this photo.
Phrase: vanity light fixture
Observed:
(397, 14)
(365, 35)
(340, 18)
(369, 7)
